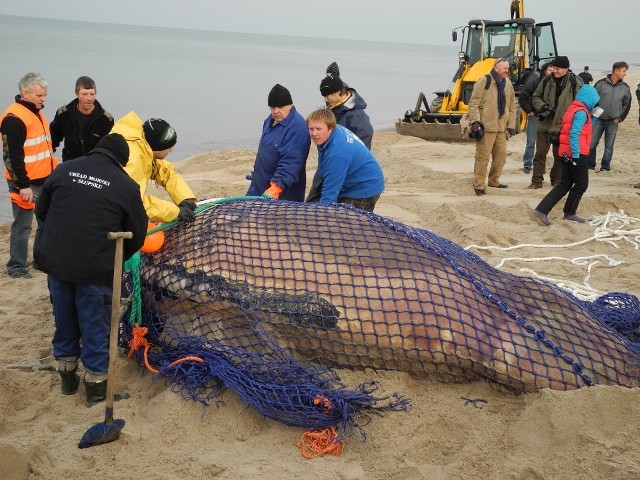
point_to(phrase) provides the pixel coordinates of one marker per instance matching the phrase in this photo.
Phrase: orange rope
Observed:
(139, 340)
(315, 443)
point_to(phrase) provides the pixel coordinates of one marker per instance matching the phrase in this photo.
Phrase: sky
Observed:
(580, 26)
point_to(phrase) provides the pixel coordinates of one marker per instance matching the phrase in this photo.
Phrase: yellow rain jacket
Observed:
(142, 168)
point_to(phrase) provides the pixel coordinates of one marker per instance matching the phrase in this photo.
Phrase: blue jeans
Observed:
(531, 131)
(20, 231)
(83, 322)
(610, 129)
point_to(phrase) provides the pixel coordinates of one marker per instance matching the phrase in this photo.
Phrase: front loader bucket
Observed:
(444, 130)
(426, 123)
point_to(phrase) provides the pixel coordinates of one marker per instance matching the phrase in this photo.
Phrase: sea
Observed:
(212, 86)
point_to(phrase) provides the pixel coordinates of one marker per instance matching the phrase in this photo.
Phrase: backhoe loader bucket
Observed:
(429, 125)
(432, 127)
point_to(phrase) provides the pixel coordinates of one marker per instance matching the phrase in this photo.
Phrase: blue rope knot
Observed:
(587, 379)
(578, 368)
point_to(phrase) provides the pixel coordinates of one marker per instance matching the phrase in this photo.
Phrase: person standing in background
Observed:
(615, 101)
(585, 76)
(81, 123)
(551, 99)
(524, 99)
(28, 159)
(492, 110)
(281, 160)
(149, 144)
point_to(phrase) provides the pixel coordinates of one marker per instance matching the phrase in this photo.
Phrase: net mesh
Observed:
(270, 296)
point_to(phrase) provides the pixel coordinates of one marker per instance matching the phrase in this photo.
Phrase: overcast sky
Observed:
(581, 26)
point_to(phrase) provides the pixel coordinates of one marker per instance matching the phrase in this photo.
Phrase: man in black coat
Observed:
(82, 201)
(81, 123)
(524, 99)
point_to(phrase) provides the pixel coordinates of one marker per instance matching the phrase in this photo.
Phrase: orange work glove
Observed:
(273, 191)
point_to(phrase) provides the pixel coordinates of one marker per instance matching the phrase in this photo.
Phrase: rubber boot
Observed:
(96, 392)
(70, 381)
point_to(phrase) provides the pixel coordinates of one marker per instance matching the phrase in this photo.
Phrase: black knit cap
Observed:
(159, 134)
(115, 144)
(330, 84)
(561, 62)
(279, 96)
(333, 69)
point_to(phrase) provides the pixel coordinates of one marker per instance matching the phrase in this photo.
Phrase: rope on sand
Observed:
(612, 228)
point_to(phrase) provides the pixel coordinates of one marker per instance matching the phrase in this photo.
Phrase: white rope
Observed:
(611, 228)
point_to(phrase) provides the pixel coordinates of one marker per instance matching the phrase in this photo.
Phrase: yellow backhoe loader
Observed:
(522, 41)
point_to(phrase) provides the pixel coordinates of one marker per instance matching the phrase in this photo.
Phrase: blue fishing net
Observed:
(267, 297)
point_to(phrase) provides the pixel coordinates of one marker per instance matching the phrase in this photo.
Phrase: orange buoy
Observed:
(153, 242)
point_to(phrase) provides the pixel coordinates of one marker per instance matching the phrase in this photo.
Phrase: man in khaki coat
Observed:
(492, 116)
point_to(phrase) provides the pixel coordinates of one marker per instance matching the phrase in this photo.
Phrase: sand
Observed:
(591, 433)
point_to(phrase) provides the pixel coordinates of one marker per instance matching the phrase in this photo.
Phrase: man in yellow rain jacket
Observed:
(149, 144)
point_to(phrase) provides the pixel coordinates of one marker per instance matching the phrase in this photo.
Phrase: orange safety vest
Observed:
(39, 161)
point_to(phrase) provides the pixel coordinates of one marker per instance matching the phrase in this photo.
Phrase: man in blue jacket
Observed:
(279, 169)
(349, 172)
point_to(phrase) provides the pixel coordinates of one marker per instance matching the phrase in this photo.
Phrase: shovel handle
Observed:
(115, 318)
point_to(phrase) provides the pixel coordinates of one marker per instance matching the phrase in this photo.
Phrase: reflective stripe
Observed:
(30, 142)
(35, 158)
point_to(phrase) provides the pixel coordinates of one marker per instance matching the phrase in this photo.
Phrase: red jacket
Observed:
(567, 122)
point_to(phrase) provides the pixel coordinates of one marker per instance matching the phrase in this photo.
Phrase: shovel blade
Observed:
(102, 433)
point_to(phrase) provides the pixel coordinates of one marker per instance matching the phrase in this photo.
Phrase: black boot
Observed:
(96, 392)
(70, 381)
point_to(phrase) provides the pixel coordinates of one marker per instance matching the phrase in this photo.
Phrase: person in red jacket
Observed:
(575, 140)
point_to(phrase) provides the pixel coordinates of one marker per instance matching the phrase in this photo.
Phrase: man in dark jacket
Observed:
(80, 203)
(615, 101)
(81, 123)
(349, 109)
(551, 99)
(524, 99)
(279, 169)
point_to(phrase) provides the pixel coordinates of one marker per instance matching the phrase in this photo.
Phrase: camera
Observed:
(546, 111)
(476, 130)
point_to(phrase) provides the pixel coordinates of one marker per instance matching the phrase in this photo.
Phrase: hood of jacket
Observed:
(354, 102)
(588, 95)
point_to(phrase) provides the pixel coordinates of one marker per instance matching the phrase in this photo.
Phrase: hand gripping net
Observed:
(271, 294)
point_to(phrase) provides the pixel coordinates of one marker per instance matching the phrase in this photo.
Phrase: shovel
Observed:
(110, 429)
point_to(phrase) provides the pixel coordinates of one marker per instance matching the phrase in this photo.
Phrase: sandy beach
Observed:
(591, 433)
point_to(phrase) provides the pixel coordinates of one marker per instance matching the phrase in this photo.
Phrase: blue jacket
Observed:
(347, 167)
(352, 116)
(282, 157)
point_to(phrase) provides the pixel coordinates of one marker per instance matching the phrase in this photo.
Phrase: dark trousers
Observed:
(83, 318)
(574, 180)
(543, 144)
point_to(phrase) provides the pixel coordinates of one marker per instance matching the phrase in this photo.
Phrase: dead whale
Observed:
(337, 286)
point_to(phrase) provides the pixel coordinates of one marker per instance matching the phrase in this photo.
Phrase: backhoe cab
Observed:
(523, 42)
